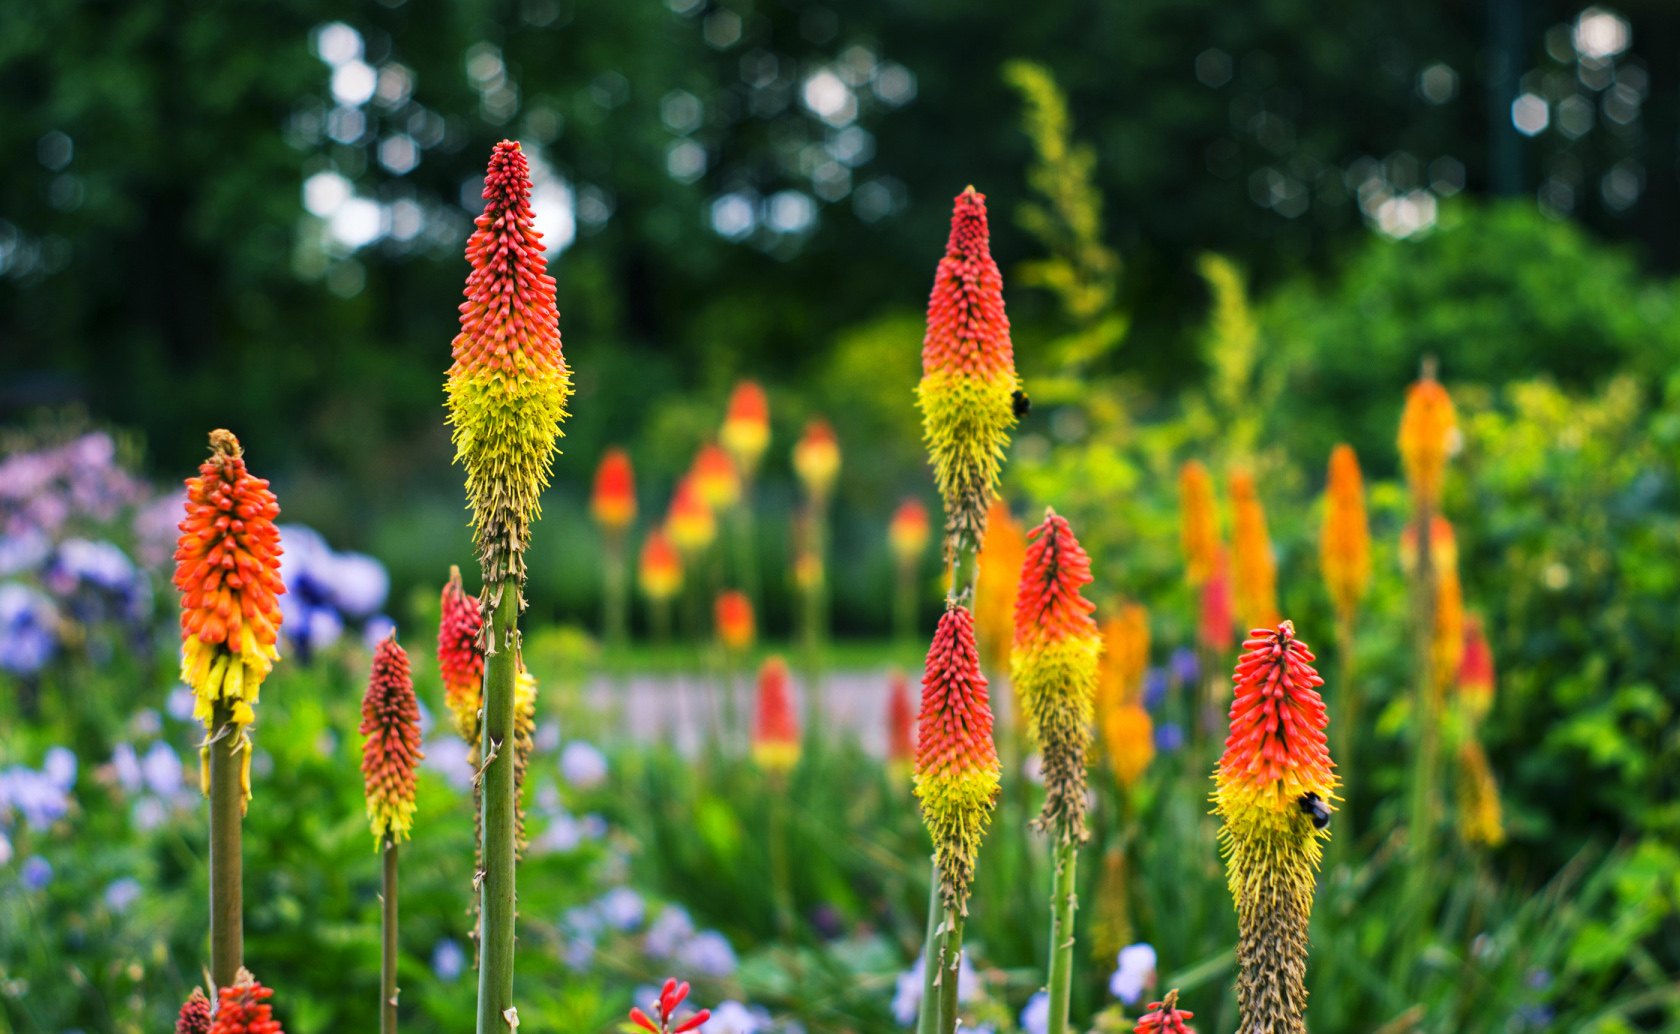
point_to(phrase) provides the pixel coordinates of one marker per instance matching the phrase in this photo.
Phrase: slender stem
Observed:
(950, 968)
(904, 603)
(928, 1018)
(1427, 705)
(1062, 903)
(495, 962)
(615, 619)
(781, 881)
(227, 811)
(388, 941)
(1346, 723)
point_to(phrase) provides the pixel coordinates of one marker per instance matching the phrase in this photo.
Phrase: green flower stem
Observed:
(227, 812)
(904, 603)
(950, 965)
(388, 941)
(1347, 721)
(1427, 712)
(615, 596)
(495, 961)
(1062, 904)
(928, 1016)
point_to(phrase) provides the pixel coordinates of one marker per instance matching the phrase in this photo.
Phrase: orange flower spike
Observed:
(1129, 737)
(746, 429)
(968, 371)
(1002, 552)
(1053, 665)
(1475, 670)
(816, 459)
(733, 617)
(1274, 788)
(1198, 530)
(243, 1008)
(1344, 546)
(613, 503)
(195, 1015)
(1254, 567)
(460, 656)
(1165, 1017)
(715, 476)
(391, 723)
(908, 532)
(690, 524)
(775, 745)
(901, 725)
(227, 569)
(1215, 619)
(956, 760)
(1125, 657)
(1428, 426)
(508, 384)
(660, 570)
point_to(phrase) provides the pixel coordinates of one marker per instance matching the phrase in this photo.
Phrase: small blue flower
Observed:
(162, 768)
(669, 930)
(708, 954)
(59, 766)
(122, 893)
(1035, 1016)
(37, 872)
(1184, 667)
(622, 908)
(448, 960)
(1154, 687)
(1168, 737)
(1134, 974)
(582, 765)
(28, 629)
(126, 764)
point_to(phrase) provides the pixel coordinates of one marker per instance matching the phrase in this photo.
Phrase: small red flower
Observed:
(670, 996)
(391, 723)
(1164, 1017)
(242, 1009)
(195, 1015)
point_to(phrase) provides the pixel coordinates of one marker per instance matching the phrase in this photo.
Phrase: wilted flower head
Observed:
(1002, 552)
(460, 656)
(715, 476)
(1198, 528)
(613, 503)
(956, 760)
(908, 533)
(391, 723)
(1164, 1017)
(1344, 546)
(1053, 665)
(690, 523)
(509, 382)
(1255, 569)
(775, 743)
(816, 459)
(243, 1008)
(1427, 427)
(195, 1014)
(733, 616)
(968, 371)
(660, 571)
(746, 428)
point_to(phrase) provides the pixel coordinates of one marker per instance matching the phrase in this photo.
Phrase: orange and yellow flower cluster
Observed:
(460, 656)
(391, 723)
(1344, 547)
(775, 745)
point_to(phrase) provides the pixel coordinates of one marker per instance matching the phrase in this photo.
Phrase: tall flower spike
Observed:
(1002, 551)
(613, 503)
(715, 476)
(690, 523)
(391, 723)
(1475, 670)
(1053, 665)
(1129, 738)
(733, 616)
(1427, 427)
(1344, 546)
(1480, 818)
(509, 382)
(775, 743)
(956, 760)
(901, 726)
(660, 571)
(243, 1008)
(460, 657)
(816, 459)
(1164, 1017)
(1214, 619)
(1198, 520)
(195, 1015)
(968, 372)
(1254, 567)
(746, 428)
(1125, 658)
(227, 568)
(1274, 786)
(908, 532)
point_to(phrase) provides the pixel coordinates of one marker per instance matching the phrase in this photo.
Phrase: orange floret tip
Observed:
(1428, 426)
(1198, 517)
(660, 569)
(746, 428)
(460, 656)
(508, 383)
(816, 458)
(690, 523)
(1002, 551)
(775, 745)
(613, 502)
(1254, 568)
(1276, 750)
(733, 616)
(243, 1008)
(195, 1015)
(391, 752)
(1165, 1017)
(956, 760)
(908, 532)
(968, 371)
(1344, 545)
(901, 723)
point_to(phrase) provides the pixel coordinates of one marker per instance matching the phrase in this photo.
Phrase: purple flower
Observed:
(126, 764)
(447, 755)
(180, 704)
(59, 766)
(99, 564)
(1168, 737)
(1154, 687)
(622, 908)
(122, 893)
(731, 1017)
(907, 997)
(28, 629)
(448, 960)
(579, 953)
(1134, 974)
(563, 834)
(582, 765)
(156, 528)
(357, 584)
(1183, 666)
(162, 769)
(34, 795)
(148, 814)
(1035, 1017)
(708, 953)
(23, 551)
(669, 930)
(37, 872)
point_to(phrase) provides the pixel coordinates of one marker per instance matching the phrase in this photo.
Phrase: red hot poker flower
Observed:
(901, 724)
(195, 1015)
(775, 725)
(461, 656)
(613, 503)
(391, 723)
(746, 430)
(242, 1009)
(670, 997)
(733, 615)
(1276, 749)
(1164, 1017)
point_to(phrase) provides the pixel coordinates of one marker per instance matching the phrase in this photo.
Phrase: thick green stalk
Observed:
(495, 960)
(388, 941)
(950, 967)
(1062, 904)
(227, 812)
(928, 1018)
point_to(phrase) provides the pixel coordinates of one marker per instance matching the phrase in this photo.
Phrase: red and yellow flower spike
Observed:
(733, 616)
(908, 532)
(1198, 522)
(1427, 426)
(1254, 567)
(956, 761)
(716, 478)
(1053, 666)
(901, 726)
(227, 569)
(1274, 788)
(391, 723)
(746, 428)
(460, 657)
(968, 372)
(1214, 618)
(775, 745)
(509, 383)
(1475, 671)
(195, 1015)
(243, 1008)
(816, 459)
(660, 571)
(1344, 546)
(1002, 551)
(613, 502)
(1165, 1017)
(690, 524)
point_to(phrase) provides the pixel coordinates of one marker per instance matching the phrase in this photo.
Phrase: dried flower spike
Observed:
(956, 760)
(1274, 787)
(227, 568)
(968, 372)
(1344, 546)
(775, 743)
(1198, 529)
(242, 1008)
(460, 657)
(613, 502)
(1053, 665)
(1255, 569)
(195, 1015)
(391, 723)
(509, 382)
